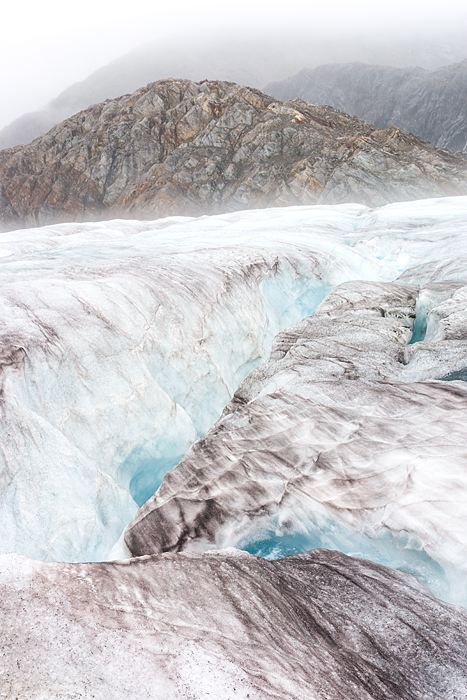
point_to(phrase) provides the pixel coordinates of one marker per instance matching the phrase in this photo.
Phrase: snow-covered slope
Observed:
(123, 341)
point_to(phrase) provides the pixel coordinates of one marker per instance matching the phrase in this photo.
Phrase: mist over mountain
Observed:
(428, 103)
(248, 61)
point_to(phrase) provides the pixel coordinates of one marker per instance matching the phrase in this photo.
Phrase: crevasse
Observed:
(123, 341)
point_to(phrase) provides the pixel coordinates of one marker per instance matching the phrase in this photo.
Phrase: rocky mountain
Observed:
(252, 61)
(244, 62)
(430, 104)
(185, 148)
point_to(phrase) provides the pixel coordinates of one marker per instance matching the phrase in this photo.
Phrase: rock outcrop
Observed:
(184, 148)
(429, 104)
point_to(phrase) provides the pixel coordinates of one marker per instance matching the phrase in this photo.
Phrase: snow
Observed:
(122, 341)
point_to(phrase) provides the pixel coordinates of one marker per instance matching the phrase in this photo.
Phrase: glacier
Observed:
(204, 401)
(344, 439)
(226, 624)
(123, 342)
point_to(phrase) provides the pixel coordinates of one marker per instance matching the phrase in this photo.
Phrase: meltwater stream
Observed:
(398, 551)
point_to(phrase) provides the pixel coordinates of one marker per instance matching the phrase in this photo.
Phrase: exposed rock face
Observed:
(178, 147)
(317, 626)
(429, 104)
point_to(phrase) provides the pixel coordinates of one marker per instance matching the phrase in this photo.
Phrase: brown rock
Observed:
(177, 147)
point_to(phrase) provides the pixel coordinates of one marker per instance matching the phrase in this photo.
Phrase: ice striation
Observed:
(336, 442)
(122, 343)
(99, 394)
(317, 626)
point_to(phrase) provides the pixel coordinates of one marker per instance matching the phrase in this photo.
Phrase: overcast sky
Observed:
(48, 45)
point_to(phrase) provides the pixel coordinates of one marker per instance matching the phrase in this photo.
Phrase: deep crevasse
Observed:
(123, 341)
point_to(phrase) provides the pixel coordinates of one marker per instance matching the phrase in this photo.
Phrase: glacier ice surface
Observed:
(343, 439)
(227, 625)
(123, 341)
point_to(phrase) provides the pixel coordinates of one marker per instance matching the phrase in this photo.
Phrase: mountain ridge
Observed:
(177, 147)
(249, 60)
(427, 103)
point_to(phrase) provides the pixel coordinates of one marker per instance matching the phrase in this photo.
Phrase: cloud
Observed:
(48, 45)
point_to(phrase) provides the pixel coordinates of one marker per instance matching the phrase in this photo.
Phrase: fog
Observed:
(46, 46)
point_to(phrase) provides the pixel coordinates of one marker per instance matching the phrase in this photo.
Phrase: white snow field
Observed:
(123, 341)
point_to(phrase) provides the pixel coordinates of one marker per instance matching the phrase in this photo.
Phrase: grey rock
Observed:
(429, 104)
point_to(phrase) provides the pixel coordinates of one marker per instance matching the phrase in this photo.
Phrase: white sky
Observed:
(48, 45)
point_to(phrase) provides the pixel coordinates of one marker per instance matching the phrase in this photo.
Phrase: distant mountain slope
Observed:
(185, 148)
(430, 104)
(248, 61)
(137, 68)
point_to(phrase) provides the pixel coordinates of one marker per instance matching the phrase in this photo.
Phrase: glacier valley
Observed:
(233, 451)
(123, 341)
